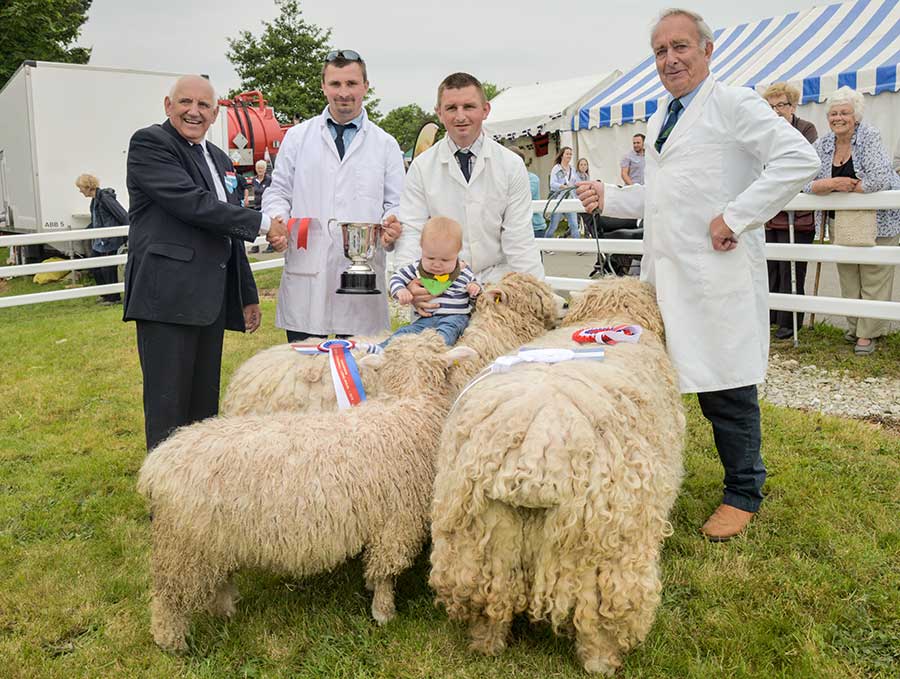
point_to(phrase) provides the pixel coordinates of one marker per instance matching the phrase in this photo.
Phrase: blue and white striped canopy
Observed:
(817, 50)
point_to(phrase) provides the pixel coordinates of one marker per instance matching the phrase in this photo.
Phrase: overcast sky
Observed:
(408, 45)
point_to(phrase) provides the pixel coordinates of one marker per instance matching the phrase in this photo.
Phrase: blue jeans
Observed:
(449, 326)
(734, 415)
(571, 217)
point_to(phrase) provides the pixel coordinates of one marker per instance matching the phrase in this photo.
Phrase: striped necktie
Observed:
(674, 109)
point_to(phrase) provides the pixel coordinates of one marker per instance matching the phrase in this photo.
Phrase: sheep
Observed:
(298, 495)
(510, 313)
(554, 485)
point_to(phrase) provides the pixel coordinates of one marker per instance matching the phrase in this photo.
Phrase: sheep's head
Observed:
(623, 299)
(520, 298)
(415, 365)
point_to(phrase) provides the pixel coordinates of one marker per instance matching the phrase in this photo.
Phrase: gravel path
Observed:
(808, 387)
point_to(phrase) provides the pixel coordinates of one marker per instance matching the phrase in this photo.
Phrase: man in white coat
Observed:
(338, 165)
(475, 181)
(739, 164)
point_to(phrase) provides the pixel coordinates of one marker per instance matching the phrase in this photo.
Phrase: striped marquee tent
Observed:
(817, 50)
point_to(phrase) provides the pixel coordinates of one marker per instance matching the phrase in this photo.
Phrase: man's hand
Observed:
(391, 231)
(722, 237)
(473, 289)
(252, 317)
(278, 234)
(421, 298)
(591, 195)
(403, 297)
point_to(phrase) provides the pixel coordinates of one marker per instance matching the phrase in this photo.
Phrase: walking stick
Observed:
(812, 317)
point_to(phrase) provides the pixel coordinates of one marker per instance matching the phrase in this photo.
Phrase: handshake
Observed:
(278, 234)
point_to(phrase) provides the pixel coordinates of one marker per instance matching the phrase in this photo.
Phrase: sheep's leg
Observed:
(383, 609)
(223, 601)
(168, 624)
(390, 552)
(617, 608)
(488, 635)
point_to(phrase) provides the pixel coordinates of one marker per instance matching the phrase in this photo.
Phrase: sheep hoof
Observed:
(384, 614)
(170, 641)
(488, 637)
(603, 666)
(223, 602)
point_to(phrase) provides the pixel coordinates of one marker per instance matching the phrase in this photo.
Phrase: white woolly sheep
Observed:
(554, 485)
(298, 495)
(510, 313)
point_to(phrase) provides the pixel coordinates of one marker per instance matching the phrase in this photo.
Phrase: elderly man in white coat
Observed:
(739, 164)
(338, 165)
(475, 181)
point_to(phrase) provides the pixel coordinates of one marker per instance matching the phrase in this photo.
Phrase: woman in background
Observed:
(105, 211)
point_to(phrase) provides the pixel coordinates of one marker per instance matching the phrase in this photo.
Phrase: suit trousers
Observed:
(734, 415)
(780, 275)
(182, 367)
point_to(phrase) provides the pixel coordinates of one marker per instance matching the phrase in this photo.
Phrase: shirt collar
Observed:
(474, 149)
(686, 99)
(356, 121)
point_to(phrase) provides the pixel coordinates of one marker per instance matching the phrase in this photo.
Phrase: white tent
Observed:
(520, 112)
(817, 50)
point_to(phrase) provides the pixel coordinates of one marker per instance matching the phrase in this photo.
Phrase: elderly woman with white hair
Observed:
(854, 159)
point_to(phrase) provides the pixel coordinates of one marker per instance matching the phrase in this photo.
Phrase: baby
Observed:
(448, 279)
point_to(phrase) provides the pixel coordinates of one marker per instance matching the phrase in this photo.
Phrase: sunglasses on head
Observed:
(347, 55)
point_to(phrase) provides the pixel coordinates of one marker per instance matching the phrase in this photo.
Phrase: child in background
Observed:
(440, 271)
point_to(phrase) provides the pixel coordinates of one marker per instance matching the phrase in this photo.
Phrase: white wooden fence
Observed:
(806, 303)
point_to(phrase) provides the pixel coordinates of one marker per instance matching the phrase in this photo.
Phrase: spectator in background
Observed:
(538, 223)
(562, 178)
(784, 99)
(633, 162)
(259, 184)
(854, 159)
(583, 174)
(105, 211)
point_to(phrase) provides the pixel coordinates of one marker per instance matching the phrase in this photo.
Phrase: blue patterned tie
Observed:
(464, 160)
(674, 109)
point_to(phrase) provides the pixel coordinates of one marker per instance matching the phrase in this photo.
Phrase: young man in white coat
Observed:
(338, 165)
(475, 181)
(740, 164)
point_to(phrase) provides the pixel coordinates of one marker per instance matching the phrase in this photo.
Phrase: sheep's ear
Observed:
(371, 361)
(497, 296)
(459, 354)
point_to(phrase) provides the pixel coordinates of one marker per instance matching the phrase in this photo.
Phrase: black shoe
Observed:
(784, 333)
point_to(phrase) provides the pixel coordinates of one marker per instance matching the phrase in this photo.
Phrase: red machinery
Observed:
(253, 131)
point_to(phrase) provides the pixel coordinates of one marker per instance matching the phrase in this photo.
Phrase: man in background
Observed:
(633, 162)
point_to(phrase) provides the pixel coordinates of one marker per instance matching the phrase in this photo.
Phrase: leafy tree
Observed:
(491, 90)
(41, 30)
(404, 122)
(285, 64)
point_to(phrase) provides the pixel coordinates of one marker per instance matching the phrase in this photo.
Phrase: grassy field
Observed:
(813, 590)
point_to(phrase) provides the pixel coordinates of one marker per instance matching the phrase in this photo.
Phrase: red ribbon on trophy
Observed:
(302, 231)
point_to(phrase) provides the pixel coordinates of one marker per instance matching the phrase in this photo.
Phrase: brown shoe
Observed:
(725, 523)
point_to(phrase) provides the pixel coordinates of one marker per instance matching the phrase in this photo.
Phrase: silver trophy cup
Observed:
(361, 241)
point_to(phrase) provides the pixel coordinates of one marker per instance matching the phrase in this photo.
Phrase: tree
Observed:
(41, 30)
(285, 64)
(491, 90)
(404, 122)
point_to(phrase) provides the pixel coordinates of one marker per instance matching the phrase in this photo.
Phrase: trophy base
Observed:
(358, 284)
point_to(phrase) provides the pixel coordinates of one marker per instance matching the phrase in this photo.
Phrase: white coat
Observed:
(311, 180)
(728, 154)
(493, 207)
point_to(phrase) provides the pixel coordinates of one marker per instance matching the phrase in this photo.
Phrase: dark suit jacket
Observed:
(185, 249)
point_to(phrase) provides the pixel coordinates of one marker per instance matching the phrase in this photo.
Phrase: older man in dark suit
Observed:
(187, 279)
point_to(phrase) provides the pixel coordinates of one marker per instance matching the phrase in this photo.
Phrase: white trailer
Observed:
(58, 121)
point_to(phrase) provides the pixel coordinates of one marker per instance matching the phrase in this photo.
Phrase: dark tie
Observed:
(674, 109)
(339, 132)
(463, 158)
(197, 150)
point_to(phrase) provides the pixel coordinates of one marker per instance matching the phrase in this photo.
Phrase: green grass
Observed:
(812, 591)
